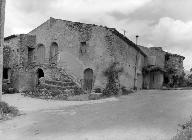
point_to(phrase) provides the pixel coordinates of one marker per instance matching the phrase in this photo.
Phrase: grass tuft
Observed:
(7, 112)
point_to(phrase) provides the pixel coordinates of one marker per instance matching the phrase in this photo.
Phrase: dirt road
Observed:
(146, 115)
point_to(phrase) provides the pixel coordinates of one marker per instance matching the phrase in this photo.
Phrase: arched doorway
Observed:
(40, 53)
(40, 74)
(88, 80)
(53, 53)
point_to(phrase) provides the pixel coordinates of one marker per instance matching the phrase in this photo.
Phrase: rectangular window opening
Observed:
(83, 48)
(30, 54)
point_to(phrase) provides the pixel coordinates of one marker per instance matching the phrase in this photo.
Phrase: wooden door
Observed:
(88, 80)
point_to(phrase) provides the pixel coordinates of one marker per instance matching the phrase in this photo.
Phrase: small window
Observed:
(30, 55)
(83, 43)
(83, 48)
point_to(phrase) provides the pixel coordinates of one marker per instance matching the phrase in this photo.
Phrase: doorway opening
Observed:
(40, 74)
(88, 80)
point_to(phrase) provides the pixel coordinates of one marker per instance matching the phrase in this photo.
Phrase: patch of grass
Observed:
(185, 131)
(7, 111)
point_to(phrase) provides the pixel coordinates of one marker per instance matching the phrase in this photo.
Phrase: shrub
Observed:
(4, 107)
(126, 91)
(97, 90)
(7, 89)
(55, 92)
(78, 91)
(6, 110)
(112, 74)
(186, 131)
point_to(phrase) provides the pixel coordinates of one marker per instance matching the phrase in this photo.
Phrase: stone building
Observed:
(67, 54)
(58, 50)
(162, 68)
(155, 68)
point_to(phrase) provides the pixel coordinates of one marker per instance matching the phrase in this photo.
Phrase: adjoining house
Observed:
(162, 68)
(63, 52)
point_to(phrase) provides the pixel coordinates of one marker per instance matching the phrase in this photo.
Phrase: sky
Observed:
(159, 23)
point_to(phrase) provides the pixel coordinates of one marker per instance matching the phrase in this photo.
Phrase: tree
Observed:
(2, 20)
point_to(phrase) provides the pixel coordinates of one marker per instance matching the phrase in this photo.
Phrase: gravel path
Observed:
(33, 104)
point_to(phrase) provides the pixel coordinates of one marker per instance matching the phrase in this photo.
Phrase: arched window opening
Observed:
(40, 53)
(53, 53)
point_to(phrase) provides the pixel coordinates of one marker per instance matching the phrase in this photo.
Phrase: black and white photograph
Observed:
(95, 69)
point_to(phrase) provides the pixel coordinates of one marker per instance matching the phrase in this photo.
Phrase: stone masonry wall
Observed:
(11, 52)
(102, 48)
(16, 58)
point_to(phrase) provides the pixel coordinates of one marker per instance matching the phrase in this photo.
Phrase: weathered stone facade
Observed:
(75, 48)
(81, 52)
(159, 63)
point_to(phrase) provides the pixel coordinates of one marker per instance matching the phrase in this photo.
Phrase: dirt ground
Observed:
(145, 115)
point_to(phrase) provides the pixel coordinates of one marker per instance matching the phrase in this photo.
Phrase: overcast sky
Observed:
(160, 23)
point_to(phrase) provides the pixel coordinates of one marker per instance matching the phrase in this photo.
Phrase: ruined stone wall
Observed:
(25, 41)
(11, 59)
(11, 53)
(16, 58)
(102, 48)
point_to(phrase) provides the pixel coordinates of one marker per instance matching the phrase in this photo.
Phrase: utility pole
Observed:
(135, 76)
(2, 20)
(124, 32)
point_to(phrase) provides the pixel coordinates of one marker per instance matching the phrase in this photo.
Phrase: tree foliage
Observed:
(112, 74)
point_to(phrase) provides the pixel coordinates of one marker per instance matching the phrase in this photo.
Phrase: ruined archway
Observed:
(88, 80)
(40, 74)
